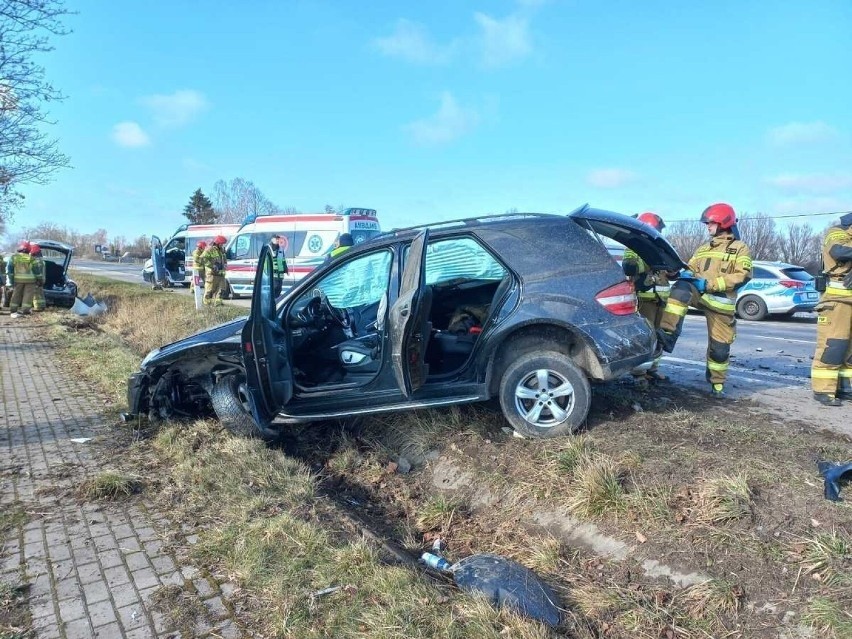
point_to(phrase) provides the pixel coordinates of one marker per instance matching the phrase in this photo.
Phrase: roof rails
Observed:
(471, 221)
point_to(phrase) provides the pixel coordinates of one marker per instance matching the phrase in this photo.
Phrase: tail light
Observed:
(791, 284)
(619, 299)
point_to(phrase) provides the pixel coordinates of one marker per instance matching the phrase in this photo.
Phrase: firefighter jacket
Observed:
(725, 263)
(20, 269)
(196, 261)
(837, 264)
(650, 285)
(214, 261)
(38, 269)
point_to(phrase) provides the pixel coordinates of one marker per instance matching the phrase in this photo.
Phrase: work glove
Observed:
(685, 274)
(700, 284)
(847, 280)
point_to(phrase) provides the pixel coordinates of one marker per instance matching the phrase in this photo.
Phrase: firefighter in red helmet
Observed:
(21, 277)
(214, 262)
(716, 270)
(39, 302)
(652, 289)
(197, 268)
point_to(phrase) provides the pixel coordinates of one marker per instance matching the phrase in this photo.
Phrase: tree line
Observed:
(795, 244)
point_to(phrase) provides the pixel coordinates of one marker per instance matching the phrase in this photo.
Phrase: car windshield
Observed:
(799, 274)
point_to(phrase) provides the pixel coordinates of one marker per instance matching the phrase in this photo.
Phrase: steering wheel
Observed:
(341, 317)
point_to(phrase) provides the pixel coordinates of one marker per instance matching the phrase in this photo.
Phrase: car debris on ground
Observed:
(834, 474)
(88, 306)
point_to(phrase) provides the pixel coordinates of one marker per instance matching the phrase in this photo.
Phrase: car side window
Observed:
(242, 247)
(358, 282)
(460, 258)
(761, 273)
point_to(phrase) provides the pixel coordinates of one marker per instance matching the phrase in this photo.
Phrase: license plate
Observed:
(813, 296)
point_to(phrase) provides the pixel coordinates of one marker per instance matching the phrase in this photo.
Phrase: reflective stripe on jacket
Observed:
(21, 266)
(214, 261)
(837, 246)
(725, 263)
(656, 283)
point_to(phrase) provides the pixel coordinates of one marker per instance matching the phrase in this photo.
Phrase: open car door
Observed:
(652, 247)
(409, 320)
(158, 260)
(269, 376)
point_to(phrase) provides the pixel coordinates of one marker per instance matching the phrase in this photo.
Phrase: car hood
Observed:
(65, 249)
(229, 331)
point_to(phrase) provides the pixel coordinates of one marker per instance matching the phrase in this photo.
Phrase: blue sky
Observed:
(443, 109)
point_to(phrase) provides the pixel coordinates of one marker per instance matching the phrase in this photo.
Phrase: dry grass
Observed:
(597, 486)
(827, 557)
(12, 516)
(713, 599)
(15, 620)
(722, 499)
(437, 514)
(182, 609)
(109, 484)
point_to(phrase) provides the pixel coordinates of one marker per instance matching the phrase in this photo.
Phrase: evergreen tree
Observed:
(200, 209)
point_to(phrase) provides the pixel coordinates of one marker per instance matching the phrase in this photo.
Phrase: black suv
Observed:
(524, 307)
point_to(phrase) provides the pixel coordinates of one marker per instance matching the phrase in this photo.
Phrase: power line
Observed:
(775, 217)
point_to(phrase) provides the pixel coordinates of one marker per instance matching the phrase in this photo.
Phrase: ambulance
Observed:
(307, 239)
(171, 264)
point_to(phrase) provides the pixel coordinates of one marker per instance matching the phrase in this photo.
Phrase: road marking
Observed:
(738, 370)
(788, 339)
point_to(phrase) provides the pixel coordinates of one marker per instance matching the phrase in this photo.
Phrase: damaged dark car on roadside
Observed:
(525, 308)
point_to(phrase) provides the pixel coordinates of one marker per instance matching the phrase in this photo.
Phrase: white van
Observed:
(307, 240)
(176, 256)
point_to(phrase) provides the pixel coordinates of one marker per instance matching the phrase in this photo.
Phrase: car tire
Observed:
(520, 392)
(230, 403)
(752, 308)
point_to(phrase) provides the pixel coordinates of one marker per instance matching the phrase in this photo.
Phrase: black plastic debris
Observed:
(833, 474)
(509, 584)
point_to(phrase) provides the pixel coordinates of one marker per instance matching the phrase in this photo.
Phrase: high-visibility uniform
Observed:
(2, 281)
(652, 289)
(831, 371)
(340, 250)
(197, 266)
(39, 302)
(20, 274)
(279, 268)
(214, 262)
(725, 263)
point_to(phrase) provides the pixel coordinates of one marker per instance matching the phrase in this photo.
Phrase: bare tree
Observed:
(238, 199)
(800, 244)
(27, 153)
(686, 236)
(758, 232)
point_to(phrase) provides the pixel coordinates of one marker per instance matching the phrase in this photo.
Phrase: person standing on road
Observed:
(652, 289)
(214, 262)
(716, 270)
(2, 281)
(39, 302)
(20, 276)
(197, 267)
(831, 371)
(279, 263)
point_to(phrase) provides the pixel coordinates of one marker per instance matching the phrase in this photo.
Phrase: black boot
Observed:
(666, 340)
(826, 400)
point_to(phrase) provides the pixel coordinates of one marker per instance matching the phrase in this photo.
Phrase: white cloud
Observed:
(448, 123)
(811, 183)
(502, 41)
(129, 134)
(411, 41)
(794, 133)
(611, 178)
(176, 109)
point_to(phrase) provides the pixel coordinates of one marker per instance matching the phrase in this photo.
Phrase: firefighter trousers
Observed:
(721, 328)
(831, 371)
(214, 289)
(22, 297)
(652, 310)
(39, 303)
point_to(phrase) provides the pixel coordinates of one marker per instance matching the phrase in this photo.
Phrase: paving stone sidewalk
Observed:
(91, 567)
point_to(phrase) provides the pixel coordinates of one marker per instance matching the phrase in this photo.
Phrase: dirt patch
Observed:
(15, 620)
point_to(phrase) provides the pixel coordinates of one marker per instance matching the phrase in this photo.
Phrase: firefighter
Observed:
(197, 268)
(716, 270)
(652, 289)
(279, 263)
(214, 261)
(39, 302)
(831, 371)
(20, 275)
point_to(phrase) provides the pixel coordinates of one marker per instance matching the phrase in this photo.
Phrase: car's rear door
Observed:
(158, 260)
(269, 376)
(409, 320)
(644, 240)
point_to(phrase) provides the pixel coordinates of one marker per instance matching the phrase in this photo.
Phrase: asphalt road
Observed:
(770, 359)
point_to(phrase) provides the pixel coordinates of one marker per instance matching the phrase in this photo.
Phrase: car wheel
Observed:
(545, 394)
(231, 405)
(752, 308)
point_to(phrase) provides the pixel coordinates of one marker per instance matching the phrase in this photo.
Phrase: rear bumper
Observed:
(621, 345)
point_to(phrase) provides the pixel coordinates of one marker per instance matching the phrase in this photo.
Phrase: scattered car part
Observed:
(833, 473)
